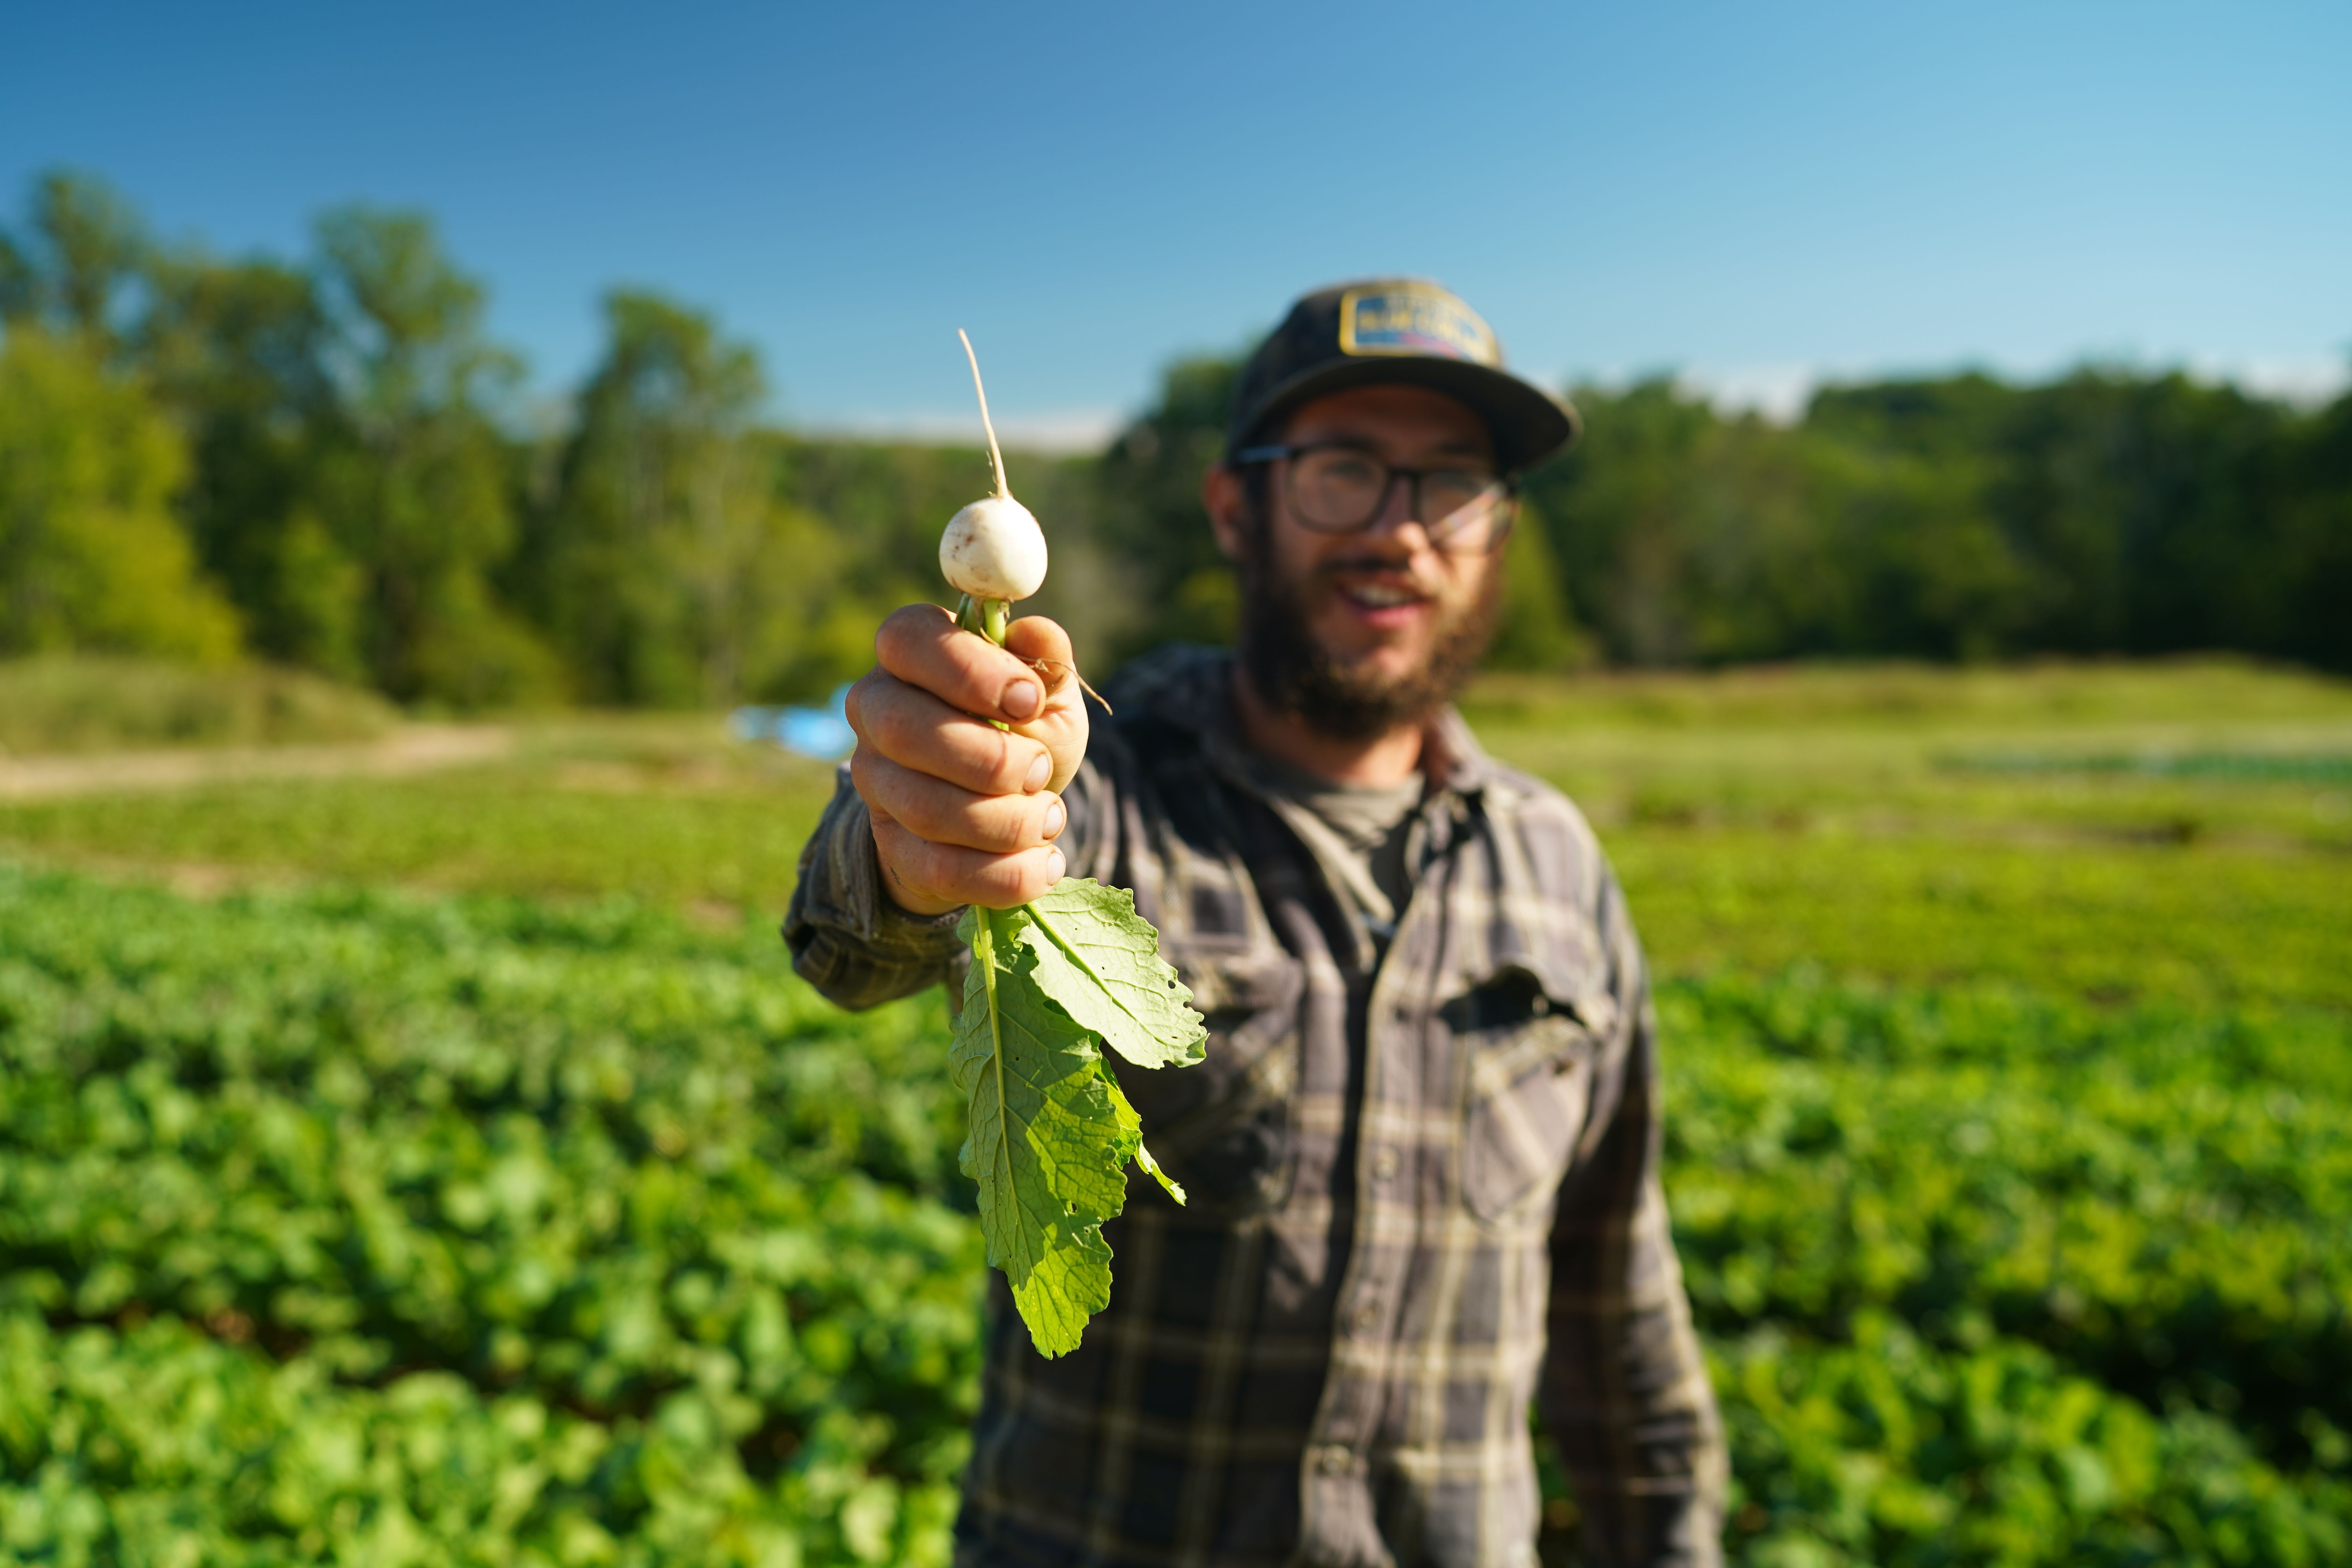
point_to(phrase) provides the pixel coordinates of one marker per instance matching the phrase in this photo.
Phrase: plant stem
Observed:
(983, 953)
(984, 618)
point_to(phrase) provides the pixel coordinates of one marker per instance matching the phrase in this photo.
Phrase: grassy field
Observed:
(451, 1157)
(83, 703)
(2117, 832)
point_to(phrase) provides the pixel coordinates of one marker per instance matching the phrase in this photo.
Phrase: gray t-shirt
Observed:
(1362, 835)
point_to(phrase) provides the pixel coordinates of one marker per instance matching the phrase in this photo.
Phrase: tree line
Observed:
(328, 462)
(2103, 512)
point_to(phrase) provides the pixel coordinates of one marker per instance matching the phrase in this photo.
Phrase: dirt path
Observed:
(417, 748)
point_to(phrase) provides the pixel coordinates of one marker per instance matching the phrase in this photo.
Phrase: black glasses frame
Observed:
(1508, 501)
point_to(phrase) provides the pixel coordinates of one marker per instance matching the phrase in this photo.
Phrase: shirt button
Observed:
(1332, 1460)
(1368, 1317)
(1384, 1164)
(1543, 1005)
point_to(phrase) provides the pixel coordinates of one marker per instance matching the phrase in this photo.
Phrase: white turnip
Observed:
(993, 549)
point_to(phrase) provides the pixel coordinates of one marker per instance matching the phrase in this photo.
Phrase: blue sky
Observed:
(1752, 195)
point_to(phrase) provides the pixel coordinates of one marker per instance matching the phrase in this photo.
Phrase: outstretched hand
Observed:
(965, 813)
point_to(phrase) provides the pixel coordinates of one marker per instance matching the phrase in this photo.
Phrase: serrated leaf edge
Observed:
(1070, 951)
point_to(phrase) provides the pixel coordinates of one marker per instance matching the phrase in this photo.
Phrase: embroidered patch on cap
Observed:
(1421, 321)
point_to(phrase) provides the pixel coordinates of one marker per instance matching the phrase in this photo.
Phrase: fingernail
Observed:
(1055, 818)
(1020, 698)
(1055, 864)
(1039, 772)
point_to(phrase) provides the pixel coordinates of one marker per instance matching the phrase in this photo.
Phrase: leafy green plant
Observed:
(1050, 983)
(1888, 1451)
(493, 1230)
(593, 1157)
(2155, 1194)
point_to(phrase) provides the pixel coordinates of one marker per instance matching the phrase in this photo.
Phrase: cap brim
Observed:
(1529, 423)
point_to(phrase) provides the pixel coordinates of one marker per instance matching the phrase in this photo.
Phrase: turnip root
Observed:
(993, 549)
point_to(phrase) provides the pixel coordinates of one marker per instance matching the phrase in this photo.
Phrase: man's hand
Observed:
(965, 813)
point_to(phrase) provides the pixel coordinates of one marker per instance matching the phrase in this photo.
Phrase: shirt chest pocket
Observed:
(1223, 1127)
(1526, 1085)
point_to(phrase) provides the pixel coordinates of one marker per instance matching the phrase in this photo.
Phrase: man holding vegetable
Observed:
(1423, 1151)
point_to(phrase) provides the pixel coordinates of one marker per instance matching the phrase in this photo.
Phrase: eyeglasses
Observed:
(1340, 489)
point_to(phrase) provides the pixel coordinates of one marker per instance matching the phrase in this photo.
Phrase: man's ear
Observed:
(1226, 500)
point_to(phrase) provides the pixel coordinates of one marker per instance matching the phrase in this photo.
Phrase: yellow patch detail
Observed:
(1416, 322)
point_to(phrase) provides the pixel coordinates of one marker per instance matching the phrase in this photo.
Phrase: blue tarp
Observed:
(820, 733)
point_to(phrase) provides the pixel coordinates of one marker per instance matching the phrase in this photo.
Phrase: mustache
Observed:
(1327, 573)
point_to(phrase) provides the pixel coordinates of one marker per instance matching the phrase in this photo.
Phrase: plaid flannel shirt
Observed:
(1425, 1185)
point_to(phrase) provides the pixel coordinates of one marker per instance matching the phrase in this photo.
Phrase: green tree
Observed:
(2140, 514)
(2155, 495)
(667, 568)
(1617, 508)
(1535, 630)
(2314, 573)
(1873, 527)
(418, 490)
(238, 352)
(1182, 588)
(75, 265)
(91, 556)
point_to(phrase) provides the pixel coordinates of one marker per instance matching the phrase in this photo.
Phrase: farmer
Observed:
(1422, 1153)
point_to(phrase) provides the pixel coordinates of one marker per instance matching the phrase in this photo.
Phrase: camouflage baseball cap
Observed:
(1396, 330)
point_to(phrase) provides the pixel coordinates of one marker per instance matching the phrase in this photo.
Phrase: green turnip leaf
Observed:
(1101, 961)
(1050, 1131)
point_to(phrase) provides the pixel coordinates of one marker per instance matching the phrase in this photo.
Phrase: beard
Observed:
(1296, 674)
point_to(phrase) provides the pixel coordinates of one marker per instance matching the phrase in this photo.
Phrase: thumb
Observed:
(1043, 643)
(1063, 725)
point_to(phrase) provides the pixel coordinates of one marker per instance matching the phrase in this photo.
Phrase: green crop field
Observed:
(448, 1169)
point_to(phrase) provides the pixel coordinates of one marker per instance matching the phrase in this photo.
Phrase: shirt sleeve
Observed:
(857, 947)
(1624, 1390)
(848, 937)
